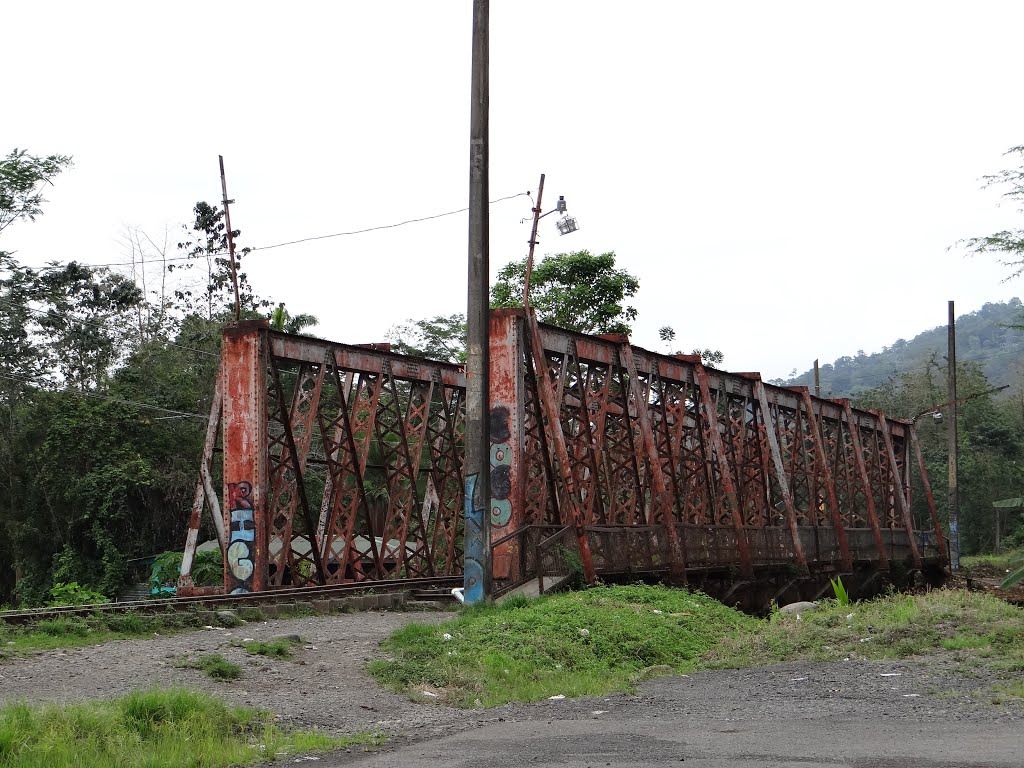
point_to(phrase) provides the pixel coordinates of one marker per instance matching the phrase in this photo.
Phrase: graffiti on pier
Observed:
(501, 467)
(475, 555)
(242, 537)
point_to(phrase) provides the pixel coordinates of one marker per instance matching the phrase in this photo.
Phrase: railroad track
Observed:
(429, 588)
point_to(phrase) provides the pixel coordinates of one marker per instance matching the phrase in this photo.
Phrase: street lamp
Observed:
(565, 225)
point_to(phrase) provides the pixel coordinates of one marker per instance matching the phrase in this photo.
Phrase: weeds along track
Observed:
(419, 588)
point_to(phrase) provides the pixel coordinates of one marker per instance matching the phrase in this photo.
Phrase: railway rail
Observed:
(423, 588)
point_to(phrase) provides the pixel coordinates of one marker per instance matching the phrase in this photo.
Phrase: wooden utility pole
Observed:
(817, 379)
(231, 240)
(533, 244)
(951, 436)
(478, 448)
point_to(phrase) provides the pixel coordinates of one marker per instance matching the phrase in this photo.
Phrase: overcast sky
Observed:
(785, 179)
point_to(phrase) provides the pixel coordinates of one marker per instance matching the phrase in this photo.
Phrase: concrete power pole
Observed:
(477, 459)
(951, 436)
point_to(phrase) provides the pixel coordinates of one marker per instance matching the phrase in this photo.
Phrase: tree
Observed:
(283, 320)
(208, 241)
(707, 355)
(437, 338)
(577, 291)
(22, 178)
(1008, 244)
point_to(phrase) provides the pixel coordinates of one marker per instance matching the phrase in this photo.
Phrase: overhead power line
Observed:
(165, 259)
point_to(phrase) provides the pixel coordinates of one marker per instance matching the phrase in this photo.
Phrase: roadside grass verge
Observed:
(973, 625)
(573, 644)
(76, 631)
(992, 565)
(98, 628)
(155, 729)
(606, 639)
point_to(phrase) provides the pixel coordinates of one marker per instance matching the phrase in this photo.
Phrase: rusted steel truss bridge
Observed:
(343, 463)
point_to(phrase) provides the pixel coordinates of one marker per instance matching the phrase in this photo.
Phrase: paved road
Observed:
(923, 714)
(701, 743)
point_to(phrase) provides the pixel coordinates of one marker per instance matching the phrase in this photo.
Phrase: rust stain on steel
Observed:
(507, 435)
(717, 447)
(901, 499)
(344, 463)
(862, 473)
(553, 431)
(826, 475)
(244, 357)
(768, 422)
(661, 501)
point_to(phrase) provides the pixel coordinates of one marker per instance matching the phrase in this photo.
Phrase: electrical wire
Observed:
(163, 260)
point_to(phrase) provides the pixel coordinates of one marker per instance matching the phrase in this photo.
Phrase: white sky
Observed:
(784, 178)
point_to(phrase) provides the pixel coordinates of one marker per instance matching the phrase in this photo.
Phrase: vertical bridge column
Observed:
(507, 430)
(244, 356)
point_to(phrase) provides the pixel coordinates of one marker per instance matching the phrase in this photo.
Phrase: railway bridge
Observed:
(343, 463)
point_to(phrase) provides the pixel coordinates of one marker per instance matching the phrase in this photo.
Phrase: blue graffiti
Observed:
(475, 543)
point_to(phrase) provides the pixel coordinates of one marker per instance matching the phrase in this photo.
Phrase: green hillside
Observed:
(983, 337)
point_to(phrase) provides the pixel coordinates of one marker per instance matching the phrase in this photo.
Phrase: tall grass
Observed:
(151, 729)
(579, 643)
(606, 639)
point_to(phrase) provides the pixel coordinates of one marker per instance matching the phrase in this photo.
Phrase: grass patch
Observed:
(1005, 692)
(977, 625)
(575, 644)
(991, 564)
(98, 628)
(279, 648)
(155, 729)
(606, 639)
(216, 666)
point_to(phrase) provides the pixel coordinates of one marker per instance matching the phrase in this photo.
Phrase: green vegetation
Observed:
(215, 666)
(152, 729)
(207, 569)
(92, 630)
(575, 644)
(279, 648)
(580, 291)
(998, 562)
(895, 626)
(605, 639)
(74, 594)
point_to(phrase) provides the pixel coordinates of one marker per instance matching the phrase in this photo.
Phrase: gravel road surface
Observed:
(926, 713)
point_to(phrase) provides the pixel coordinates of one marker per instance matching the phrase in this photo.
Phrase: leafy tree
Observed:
(577, 291)
(1008, 245)
(283, 320)
(208, 242)
(22, 178)
(437, 338)
(707, 355)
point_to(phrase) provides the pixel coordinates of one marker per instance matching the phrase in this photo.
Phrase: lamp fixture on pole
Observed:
(565, 225)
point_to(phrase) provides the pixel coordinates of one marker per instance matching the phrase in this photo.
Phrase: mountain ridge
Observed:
(983, 336)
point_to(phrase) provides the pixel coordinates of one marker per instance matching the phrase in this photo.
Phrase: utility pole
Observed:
(533, 244)
(477, 459)
(951, 436)
(231, 240)
(817, 379)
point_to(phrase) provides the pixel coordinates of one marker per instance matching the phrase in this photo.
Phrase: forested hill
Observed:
(982, 336)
